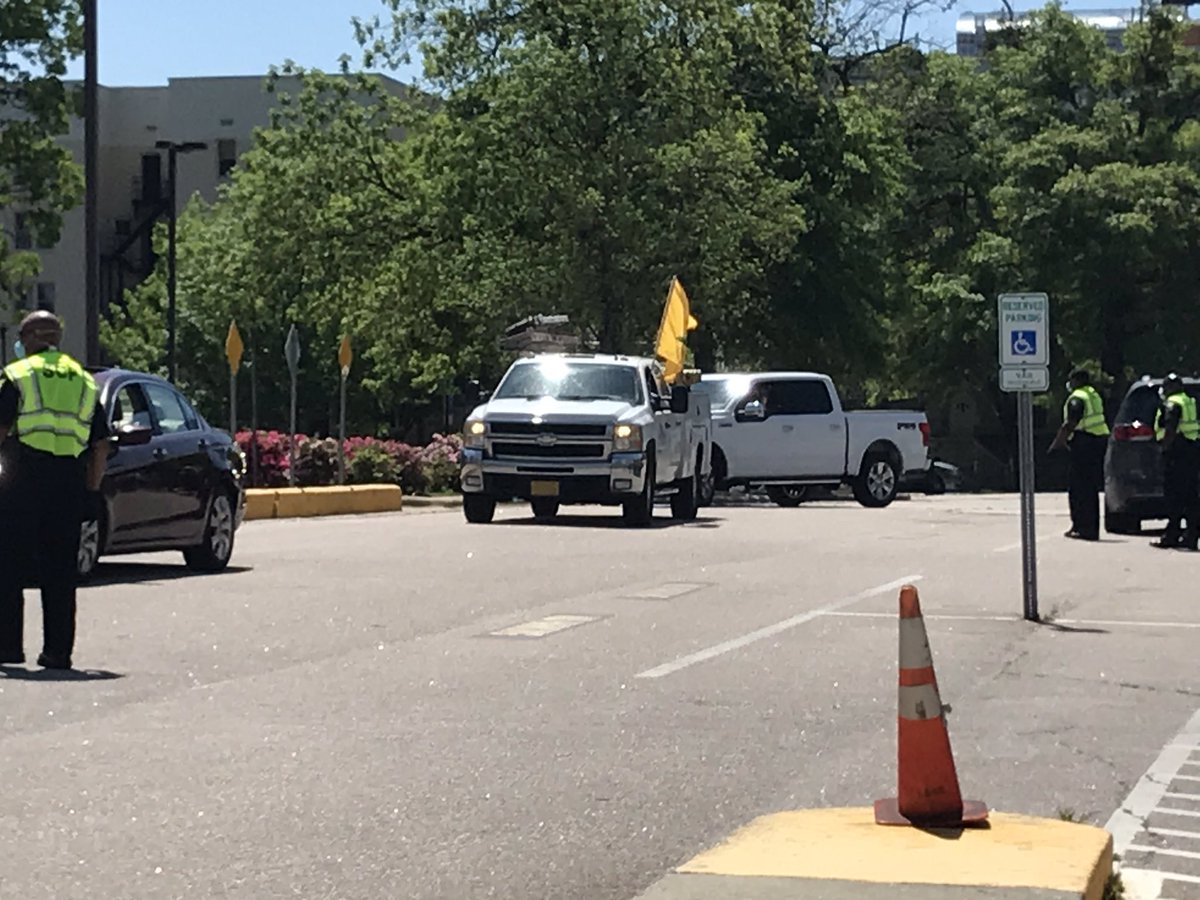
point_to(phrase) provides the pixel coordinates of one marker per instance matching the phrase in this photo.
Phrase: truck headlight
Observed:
(627, 437)
(473, 434)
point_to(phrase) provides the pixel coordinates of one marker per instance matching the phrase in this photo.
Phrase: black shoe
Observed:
(1077, 536)
(1163, 545)
(54, 662)
(15, 658)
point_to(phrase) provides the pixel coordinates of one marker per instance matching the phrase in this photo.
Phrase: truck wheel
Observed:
(685, 504)
(544, 508)
(876, 486)
(639, 512)
(479, 509)
(787, 494)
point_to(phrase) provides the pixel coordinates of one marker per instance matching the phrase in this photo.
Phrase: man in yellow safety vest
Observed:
(1086, 429)
(49, 403)
(1178, 431)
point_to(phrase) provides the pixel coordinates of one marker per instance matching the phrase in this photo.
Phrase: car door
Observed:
(811, 432)
(181, 453)
(747, 440)
(132, 480)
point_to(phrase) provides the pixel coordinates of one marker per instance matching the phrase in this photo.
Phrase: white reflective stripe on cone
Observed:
(914, 645)
(920, 702)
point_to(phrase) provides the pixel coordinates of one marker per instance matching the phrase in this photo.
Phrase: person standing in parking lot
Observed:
(1085, 432)
(1178, 431)
(50, 404)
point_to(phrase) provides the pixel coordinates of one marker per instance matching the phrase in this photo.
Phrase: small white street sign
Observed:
(1024, 331)
(1034, 379)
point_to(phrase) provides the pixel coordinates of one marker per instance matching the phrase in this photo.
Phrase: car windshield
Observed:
(1141, 403)
(565, 380)
(723, 391)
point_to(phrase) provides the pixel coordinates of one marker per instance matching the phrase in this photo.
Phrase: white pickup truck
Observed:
(587, 428)
(787, 431)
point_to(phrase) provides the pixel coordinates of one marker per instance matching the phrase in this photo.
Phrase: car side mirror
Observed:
(679, 399)
(134, 435)
(753, 411)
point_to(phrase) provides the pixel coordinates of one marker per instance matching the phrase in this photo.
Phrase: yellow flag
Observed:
(345, 355)
(234, 348)
(677, 321)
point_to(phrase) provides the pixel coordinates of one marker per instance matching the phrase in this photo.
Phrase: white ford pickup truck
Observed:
(587, 428)
(787, 431)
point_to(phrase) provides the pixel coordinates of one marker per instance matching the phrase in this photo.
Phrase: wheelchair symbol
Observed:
(1024, 343)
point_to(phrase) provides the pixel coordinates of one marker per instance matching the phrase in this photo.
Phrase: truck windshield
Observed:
(563, 380)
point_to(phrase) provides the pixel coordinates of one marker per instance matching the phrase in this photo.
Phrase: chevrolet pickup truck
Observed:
(587, 428)
(787, 431)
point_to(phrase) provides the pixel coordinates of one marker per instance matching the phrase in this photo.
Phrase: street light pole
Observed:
(173, 149)
(91, 172)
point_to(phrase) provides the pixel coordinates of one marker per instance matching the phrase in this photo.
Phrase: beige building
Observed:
(221, 113)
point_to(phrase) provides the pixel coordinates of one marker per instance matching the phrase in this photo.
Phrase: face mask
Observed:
(19, 350)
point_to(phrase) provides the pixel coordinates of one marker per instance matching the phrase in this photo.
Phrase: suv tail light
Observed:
(925, 434)
(1138, 431)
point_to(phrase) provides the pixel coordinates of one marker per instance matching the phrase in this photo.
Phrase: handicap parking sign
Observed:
(1024, 343)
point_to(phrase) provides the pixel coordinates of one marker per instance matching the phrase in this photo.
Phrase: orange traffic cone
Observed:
(928, 792)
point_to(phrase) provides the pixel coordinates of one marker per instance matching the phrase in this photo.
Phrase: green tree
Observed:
(38, 179)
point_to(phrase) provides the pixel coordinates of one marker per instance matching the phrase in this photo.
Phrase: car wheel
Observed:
(214, 554)
(1121, 523)
(639, 512)
(878, 483)
(544, 508)
(90, 542)
(685, 504)
(478, 509)
(787, 494)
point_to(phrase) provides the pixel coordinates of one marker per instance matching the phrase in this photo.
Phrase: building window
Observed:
(45, 295)
(226, 156)
(22, 237)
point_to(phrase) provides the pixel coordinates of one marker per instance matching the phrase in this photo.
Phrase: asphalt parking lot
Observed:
(405, 705)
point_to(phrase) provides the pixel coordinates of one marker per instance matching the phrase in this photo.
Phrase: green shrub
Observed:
(372, 465)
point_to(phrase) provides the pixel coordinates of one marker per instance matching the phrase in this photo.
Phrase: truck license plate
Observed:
(544, 488)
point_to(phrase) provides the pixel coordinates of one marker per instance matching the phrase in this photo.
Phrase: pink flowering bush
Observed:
(429, 469)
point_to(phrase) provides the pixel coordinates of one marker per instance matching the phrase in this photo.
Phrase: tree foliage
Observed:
(831, 196)
(38, 178)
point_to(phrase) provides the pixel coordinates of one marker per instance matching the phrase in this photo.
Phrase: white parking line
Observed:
(769, 631)
(545, 626)
(668, 591)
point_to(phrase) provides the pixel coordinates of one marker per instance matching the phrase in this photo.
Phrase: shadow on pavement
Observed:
(109, 573)
(1072, 629)
(614, 521)
(19, 674)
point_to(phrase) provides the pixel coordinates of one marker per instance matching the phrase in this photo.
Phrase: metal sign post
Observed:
(291, 350)
(234, 348)
(345, 357)
(1024, 326)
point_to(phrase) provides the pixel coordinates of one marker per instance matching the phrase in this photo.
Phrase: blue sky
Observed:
(145, 42)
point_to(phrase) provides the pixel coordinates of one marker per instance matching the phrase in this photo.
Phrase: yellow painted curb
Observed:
(847, 845)
(287, 503)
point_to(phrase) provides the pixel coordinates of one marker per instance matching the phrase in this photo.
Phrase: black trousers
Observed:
(1181, 481)
(1085, 481)
(40, 541)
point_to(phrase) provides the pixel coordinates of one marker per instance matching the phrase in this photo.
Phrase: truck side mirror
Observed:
(679, 398)
(751, 412)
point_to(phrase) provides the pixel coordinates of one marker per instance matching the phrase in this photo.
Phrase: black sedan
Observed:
(173, 481)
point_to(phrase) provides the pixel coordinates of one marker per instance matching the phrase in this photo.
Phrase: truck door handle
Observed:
(788, 428)
(835, 427)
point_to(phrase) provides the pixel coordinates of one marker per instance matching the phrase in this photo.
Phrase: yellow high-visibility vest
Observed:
(1189, 425)
(1093, 411)
(58, 400)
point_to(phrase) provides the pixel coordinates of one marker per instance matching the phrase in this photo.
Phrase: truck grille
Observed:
(529, 429)
(552, 451)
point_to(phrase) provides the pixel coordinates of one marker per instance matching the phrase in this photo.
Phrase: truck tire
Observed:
(787, 495)
(639, 512)
(544, 508)
(685, 505)
(478, 509)
(877, 484)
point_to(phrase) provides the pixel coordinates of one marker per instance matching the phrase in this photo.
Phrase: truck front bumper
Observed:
(612, 480)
